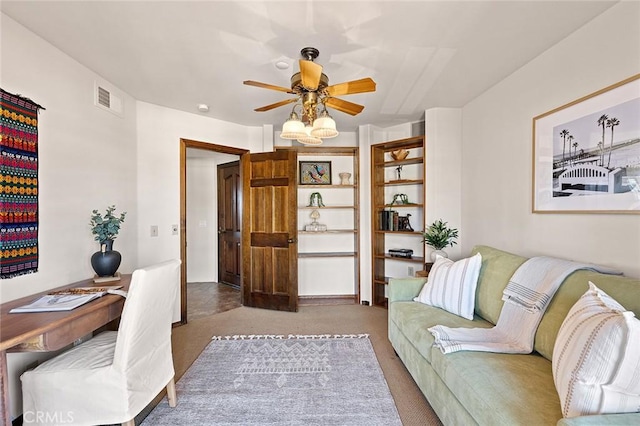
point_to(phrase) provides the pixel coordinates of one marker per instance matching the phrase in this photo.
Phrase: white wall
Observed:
(443, 167)
(87, 159)
(159, 132)
(497, 149)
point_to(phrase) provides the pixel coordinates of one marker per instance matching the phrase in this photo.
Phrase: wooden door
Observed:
(229, 223)
(269, 222)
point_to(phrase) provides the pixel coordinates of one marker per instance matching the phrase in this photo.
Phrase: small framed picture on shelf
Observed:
(315, 173)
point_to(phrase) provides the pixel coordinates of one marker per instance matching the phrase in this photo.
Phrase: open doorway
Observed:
(199, 224)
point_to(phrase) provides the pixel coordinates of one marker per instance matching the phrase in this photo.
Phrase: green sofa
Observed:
(468, 388)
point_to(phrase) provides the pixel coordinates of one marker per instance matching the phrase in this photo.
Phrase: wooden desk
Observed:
(50, 331)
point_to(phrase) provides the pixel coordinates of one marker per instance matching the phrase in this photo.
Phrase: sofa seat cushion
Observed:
(414, 318)
(501, 389)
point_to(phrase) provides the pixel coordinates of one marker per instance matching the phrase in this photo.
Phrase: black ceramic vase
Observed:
(106, 262)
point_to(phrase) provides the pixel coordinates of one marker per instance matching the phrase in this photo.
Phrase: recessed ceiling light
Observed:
(203, 107)
(282, 65)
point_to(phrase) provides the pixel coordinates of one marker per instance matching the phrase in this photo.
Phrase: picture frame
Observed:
(586, 154)
(315, 173)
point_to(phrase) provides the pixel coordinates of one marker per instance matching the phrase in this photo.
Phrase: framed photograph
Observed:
(315, 173)
(586, 154)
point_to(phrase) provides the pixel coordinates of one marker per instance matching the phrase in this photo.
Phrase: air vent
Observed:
(107, 99)
(104, 97)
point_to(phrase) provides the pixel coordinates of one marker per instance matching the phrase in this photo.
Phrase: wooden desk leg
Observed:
(5, 416)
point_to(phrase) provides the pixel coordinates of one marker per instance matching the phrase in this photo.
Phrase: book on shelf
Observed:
(65, 300)
(388, 220)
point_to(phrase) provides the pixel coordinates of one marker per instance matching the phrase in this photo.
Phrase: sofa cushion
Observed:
(623, 289)
(413, 319)
(497, 268)
(452, 285)
(501, 389)
(596, 359)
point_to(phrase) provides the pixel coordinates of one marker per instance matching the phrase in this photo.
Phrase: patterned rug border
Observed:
(291, 336)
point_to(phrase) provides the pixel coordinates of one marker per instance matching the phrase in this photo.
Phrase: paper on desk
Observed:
(66, 299)
(61, 302)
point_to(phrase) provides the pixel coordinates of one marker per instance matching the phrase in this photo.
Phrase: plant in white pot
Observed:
(105, 228)
(439, 236)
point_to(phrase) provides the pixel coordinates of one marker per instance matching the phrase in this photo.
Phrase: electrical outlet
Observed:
(174, 229)
(410, 271)
(154, 230)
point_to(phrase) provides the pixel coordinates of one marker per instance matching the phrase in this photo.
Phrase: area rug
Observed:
(283, 380)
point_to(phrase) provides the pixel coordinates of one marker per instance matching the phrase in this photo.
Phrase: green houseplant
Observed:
(106, 228)
(439, 236)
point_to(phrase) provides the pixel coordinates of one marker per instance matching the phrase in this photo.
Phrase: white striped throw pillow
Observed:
(596, 357)
(452, 285)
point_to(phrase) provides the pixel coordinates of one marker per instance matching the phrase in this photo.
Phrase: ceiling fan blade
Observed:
(344, 106)
(350, 87)
(276, 105)
(310, 73)
(267, 86)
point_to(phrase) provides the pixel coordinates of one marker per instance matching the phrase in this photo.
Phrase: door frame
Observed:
(184, 144)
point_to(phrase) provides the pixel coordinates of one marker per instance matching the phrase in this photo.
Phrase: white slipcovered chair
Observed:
(114, 376)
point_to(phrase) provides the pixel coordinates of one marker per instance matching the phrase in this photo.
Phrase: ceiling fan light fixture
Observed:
(324, 127)
(293, 128)
(308, 139)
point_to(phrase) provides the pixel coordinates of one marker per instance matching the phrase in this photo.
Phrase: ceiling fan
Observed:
(312, 90)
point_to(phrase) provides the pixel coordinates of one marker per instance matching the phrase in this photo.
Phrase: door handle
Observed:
(221, 231)
(292, 240)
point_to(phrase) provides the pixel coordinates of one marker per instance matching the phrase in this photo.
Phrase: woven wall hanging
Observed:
(18, 185)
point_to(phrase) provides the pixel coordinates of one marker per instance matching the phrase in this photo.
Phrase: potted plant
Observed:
(439, 236)
(105, 228)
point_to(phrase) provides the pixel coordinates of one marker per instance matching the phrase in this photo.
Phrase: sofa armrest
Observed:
(602, 420)
(405, 288)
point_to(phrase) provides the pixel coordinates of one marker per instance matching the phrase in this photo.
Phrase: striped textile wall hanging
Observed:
(18, 185)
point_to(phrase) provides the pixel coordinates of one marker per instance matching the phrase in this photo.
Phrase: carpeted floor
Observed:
(273, 380)
(190, 340)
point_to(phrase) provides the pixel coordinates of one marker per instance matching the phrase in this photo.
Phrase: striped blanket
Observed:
(526, 298)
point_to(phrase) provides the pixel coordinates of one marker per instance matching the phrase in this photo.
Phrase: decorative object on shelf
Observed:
(315, 226)
(315, 200)
(400, 252)
(399, 154)
(315, 172)
(344, 178)
(400, 199)
(314, 96)
(439, 236)
(105, 228)
(399, 173)
(403, 223)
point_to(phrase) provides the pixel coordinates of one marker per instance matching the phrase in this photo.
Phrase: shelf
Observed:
(330, 231)
(325, 207)
(415, 259)
(403, 182)
(390, 206)
(405, 162)
(416, 233)
(327, 186)
(326, 254)
(382, 185)
(340, 245)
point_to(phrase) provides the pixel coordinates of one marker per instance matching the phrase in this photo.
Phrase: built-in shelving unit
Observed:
(329, 261)
(390, 177)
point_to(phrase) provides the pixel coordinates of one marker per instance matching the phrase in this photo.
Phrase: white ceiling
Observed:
(422, 54)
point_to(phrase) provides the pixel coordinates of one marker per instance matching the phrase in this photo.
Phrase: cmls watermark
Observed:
(47, 417)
